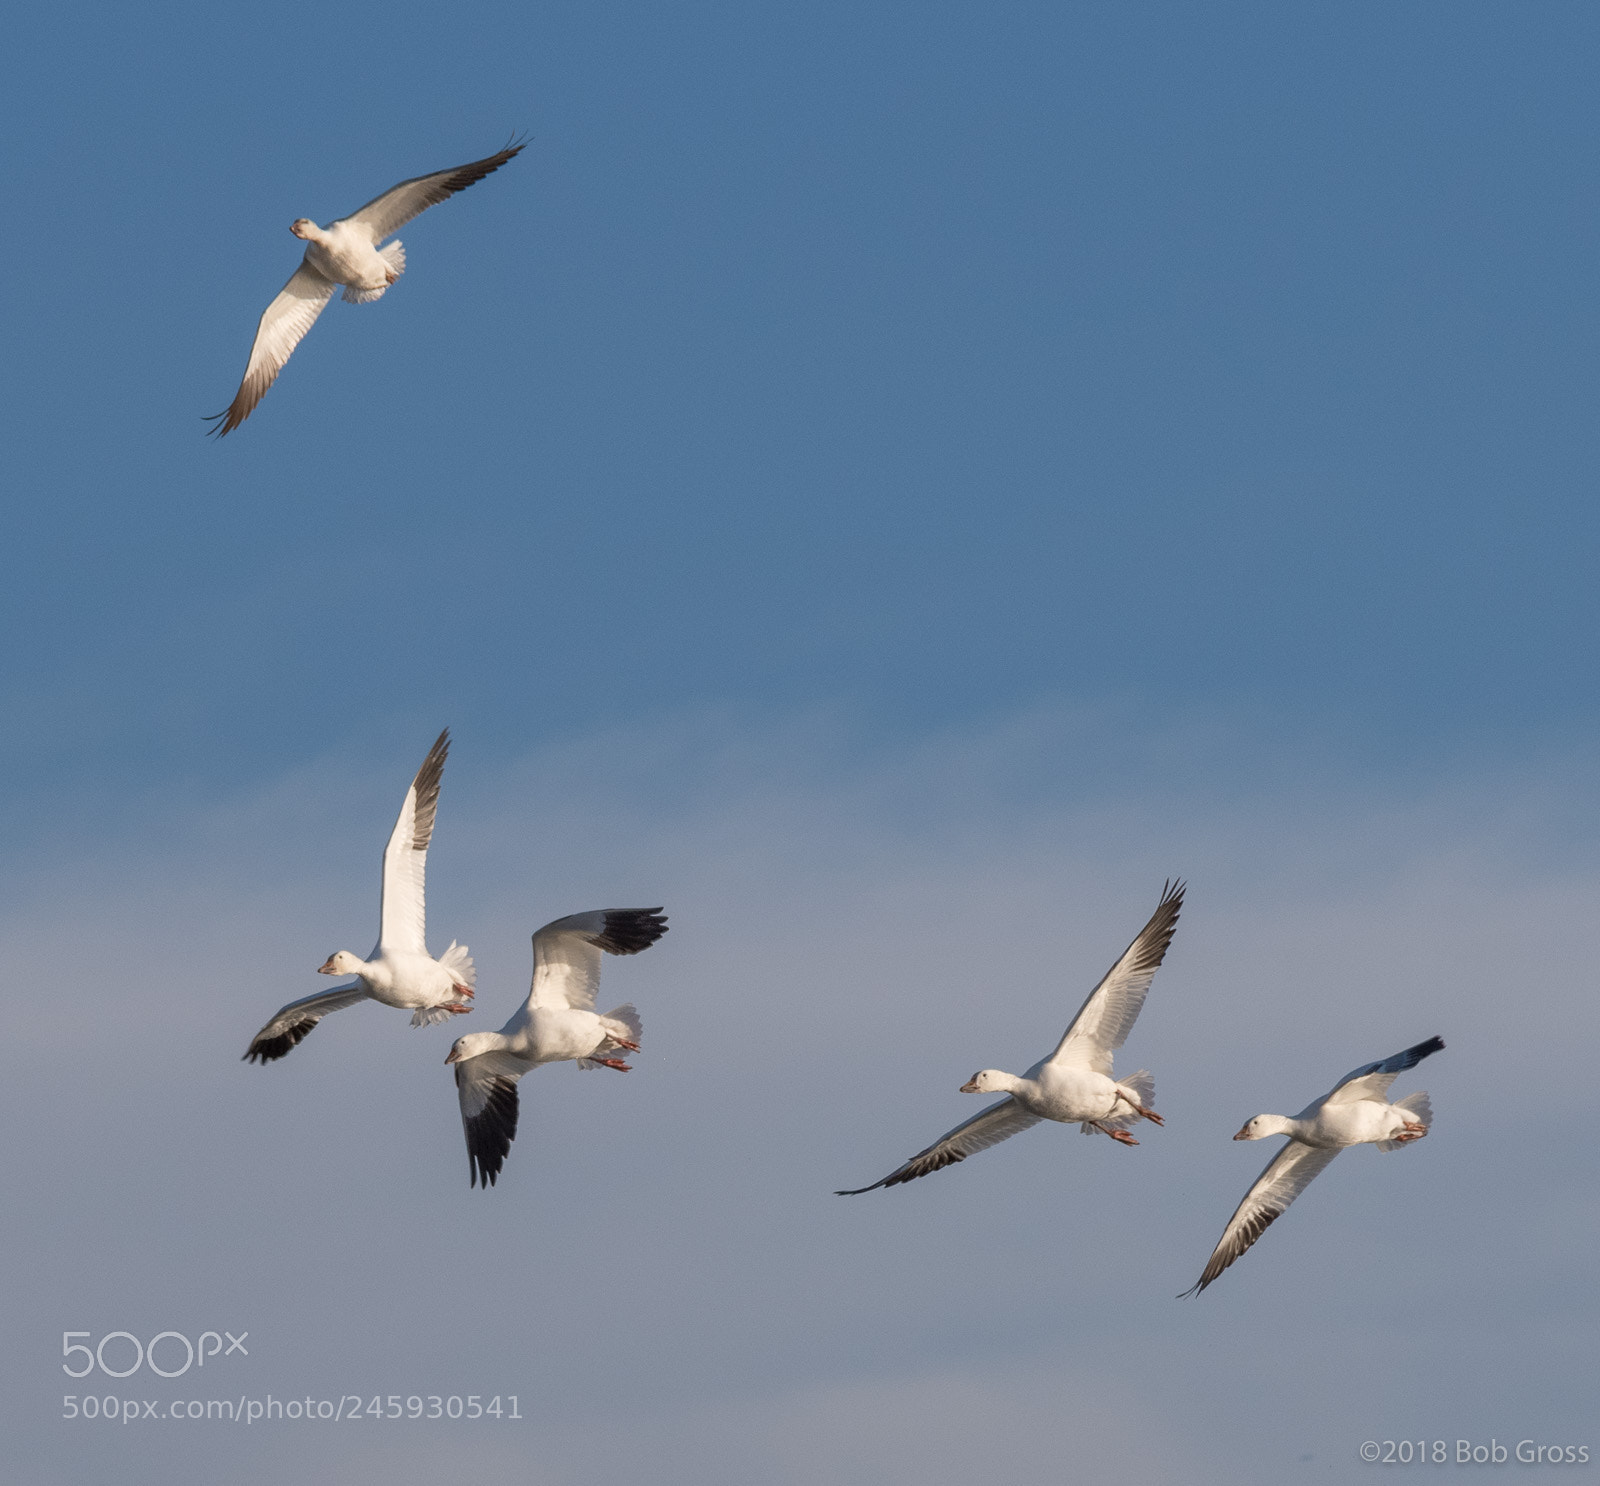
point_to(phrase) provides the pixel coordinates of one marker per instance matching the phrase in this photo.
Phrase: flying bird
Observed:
(556, 1024)
(400, 971)
(1356, 1111)
(348, 253)
(1074, 1084)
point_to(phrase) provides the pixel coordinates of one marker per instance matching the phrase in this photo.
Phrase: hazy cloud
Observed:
(663, 1277)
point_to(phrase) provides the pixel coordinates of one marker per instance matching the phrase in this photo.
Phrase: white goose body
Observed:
(1074, 1085)
(344, 252)
(1335, 1126)
(1068, 1094)
(401, 978)
(554, 1034)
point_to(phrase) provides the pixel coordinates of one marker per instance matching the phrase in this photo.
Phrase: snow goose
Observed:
(1356, 1111)
(345, 252)
(1074, 1084)
(557, 1023)
(400, 971)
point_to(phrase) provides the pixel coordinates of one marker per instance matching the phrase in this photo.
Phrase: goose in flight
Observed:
(400, 971)
(347, 253)
(556, 1023)
(1074, 1084)
(1356, 1111)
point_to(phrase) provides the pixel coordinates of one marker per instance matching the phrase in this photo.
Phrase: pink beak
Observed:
(1243, 1134)
(970, 1086)
(327, 969)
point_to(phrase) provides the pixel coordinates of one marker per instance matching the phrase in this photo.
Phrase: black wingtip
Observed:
(266, 1050)
(474, 171)
(437, 753)
(427, 777)
(426, 783)
(491, 1131)
(629, 931)
(1154, 939)
(901, 1176)
(1414, 1055)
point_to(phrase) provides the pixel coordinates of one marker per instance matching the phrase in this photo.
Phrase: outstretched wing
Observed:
(282, 327)
(487, 1088)
(566, 953)
(402, 921)
(986, 1128)
(290, 1026)
(1287, 1175)
(399, 204)
(1105, 1019)
(1372, 1081)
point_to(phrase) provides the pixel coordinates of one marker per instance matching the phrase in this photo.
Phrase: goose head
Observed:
(304, 227)
(342, 963)
(1263, 1125)
(472, 1045)
(987, 1081)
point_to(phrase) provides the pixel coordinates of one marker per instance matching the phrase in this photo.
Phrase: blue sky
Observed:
(865, 456)
(922, 361)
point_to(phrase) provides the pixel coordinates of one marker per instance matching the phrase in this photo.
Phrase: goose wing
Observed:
(292, 1022)
(282, 327)
(566, 953)
(1105, 1019)
(487, 1088)
(390, 212)
(1373, 1079)
(1287, 1175)
(988, 1127)
(402, 920)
